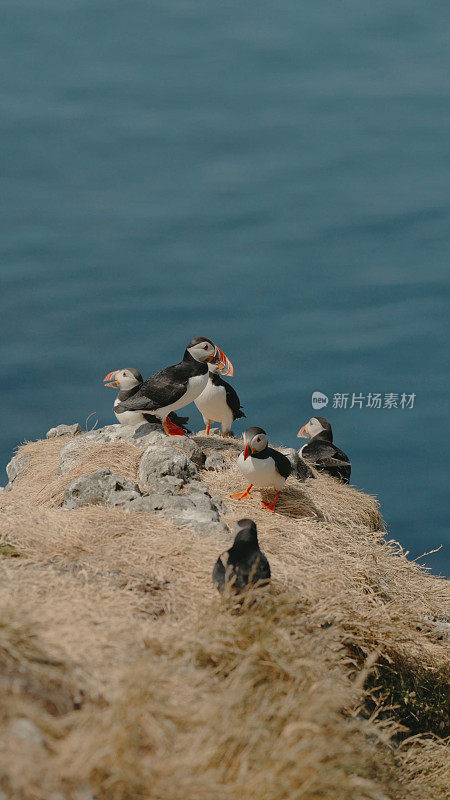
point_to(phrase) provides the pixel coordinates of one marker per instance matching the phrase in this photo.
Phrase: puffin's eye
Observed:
(205, 347)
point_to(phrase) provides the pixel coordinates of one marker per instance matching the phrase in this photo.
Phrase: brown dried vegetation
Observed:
(137, 682)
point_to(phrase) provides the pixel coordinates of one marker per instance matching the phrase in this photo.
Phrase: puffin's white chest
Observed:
(129, 417)
(261, 472)
(212, 402)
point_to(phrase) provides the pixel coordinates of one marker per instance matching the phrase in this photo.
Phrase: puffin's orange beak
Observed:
(113, 383)
(246, 451)
(222, 361)
(303, 433)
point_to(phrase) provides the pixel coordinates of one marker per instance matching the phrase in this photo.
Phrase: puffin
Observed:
(176, 386)
(128, 381)
(321, 452)
(265, 467)
(219, 402)
(243, 563)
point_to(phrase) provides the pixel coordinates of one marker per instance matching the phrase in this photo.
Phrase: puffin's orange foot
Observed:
(171, 429)
(270, 506)
(208, 428)
(241, 495)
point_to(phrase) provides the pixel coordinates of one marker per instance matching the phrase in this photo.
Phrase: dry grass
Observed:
(142, 684)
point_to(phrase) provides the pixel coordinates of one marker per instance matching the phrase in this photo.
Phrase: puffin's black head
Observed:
(245, 533)
(315, 426)
(124, 379)
(255, 440)
(204, 350)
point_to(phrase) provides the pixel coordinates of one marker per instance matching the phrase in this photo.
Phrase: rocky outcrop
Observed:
(102, 487)
(62, 430)
(15, 467)
(168, 480)
(214, 461)
(162, 461)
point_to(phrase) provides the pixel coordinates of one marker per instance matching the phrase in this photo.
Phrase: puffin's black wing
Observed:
(327, 457)
(232, 398)
(159, 391)
(325, 452)
(282, 463)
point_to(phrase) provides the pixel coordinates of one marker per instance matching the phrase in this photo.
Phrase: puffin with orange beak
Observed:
(263, 466)
(175, 387)
(219, 403)
(321, 452)
(128, 381)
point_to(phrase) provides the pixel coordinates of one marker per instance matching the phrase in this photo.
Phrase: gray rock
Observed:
(441, 626)
(15, 467)
(214, 461)
(61, 430)
(102, 487)
(192, 450)
(211, 528)
(194, 517)
(142, 435)
(204, 502)
(164, 502)
(168, 485)
(202, 511)
(195, 510)
(123, 497)
(25, 729)
(220, 505)
(159, 462)
(197, 486)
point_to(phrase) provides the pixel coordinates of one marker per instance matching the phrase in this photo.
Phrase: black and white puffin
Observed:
(177, 386)
(263, 466)
(128, 381)
(321, 452)
(219, 402)
(243, 563)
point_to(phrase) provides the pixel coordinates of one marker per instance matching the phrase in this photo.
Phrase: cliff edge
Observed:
(125, 676)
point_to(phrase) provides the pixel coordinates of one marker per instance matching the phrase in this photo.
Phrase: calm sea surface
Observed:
(274, 175)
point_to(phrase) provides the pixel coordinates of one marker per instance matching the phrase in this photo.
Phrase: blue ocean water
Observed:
(273, 175)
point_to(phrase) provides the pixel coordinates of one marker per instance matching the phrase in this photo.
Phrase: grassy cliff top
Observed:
(125, 676)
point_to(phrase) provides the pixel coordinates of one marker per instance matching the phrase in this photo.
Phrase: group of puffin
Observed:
(198, 378)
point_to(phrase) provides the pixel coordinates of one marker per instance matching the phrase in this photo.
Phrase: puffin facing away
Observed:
(218, 402)
(128, 381)
(265, 467)
(243, 563)
(177, 386)
(321, 452)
